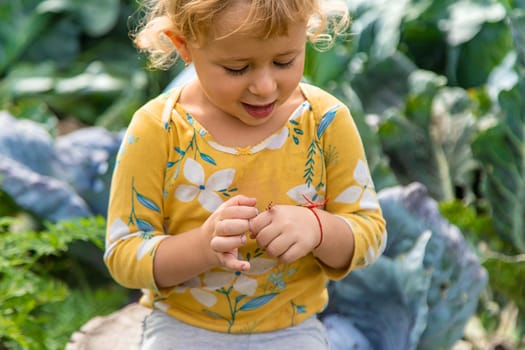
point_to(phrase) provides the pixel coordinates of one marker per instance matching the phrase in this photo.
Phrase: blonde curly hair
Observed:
(193, 20)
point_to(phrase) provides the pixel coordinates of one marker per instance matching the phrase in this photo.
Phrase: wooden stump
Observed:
(120, 330)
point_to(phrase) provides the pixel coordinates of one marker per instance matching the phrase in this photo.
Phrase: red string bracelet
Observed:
(311, 205)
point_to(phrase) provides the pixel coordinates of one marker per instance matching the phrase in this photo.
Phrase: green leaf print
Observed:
(227, 192)
(296, 132)
(179, 151)
(148, 203)
(189, 118)
(191, 148)
(214, 315)
(258, 302)
(240, 298)
(143, 225)
(326, 120)
(296, 309)
(310, 163)
(207, 158)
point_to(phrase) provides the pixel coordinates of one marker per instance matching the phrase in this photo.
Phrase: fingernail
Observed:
(243, 239)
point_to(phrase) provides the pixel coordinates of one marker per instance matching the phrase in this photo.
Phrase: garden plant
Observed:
(437, 89)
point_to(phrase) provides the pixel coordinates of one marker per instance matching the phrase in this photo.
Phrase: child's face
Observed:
(247, 77)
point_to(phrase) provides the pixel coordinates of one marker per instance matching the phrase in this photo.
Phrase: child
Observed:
(237, 196)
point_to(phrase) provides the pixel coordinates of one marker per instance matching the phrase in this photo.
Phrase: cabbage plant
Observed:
(56, 178)
(421, 293)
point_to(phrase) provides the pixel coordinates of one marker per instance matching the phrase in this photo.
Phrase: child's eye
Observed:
(236, 71)
(284, 64)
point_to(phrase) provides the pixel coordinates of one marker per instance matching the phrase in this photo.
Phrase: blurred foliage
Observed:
(63, 60)
(73, 59)
(41, 281)
(436, 89)
(451, 75)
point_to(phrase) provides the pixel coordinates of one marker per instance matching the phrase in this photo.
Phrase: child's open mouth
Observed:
(262, 111)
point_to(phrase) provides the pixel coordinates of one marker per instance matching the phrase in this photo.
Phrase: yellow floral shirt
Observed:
(171, 174)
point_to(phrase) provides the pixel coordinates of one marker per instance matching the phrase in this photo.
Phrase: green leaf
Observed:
(507, 273)
(501, 149)
(429, 141)
(479, 56)
(381, 86)
(503, 77)
(322, 68)
(424, 42)
(507, 276)
(380, 170)
(20, 25)
(377, 25)
(388, 29)
(97, 16)
(61, 319)
(467, 18)
(59, 43)
(7, 205)
(29, 287)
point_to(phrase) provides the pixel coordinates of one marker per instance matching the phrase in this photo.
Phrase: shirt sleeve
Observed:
(349, 188)
(135, 211)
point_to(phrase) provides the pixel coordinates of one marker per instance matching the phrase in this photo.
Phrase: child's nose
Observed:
(264, 84)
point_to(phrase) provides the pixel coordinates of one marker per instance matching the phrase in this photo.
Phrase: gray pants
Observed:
(163, 332)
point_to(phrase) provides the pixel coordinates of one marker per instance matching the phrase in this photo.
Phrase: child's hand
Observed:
(226, 228)
(286, 231)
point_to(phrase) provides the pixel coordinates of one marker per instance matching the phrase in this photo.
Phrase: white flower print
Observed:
(157, 304)
(258, 266)
(372, 255)
(195, 287)
(206, 192)
(147, 245)
(201, 289)
(299, 192)
(365, 192)
(119, 231)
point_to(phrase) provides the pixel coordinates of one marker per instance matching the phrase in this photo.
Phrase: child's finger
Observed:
(223, 244)
(232, 227)
(259, 222)
(239, 212)
(240, 200)
(232, 262)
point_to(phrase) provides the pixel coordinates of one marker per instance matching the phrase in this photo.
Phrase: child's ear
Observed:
(180, 44)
